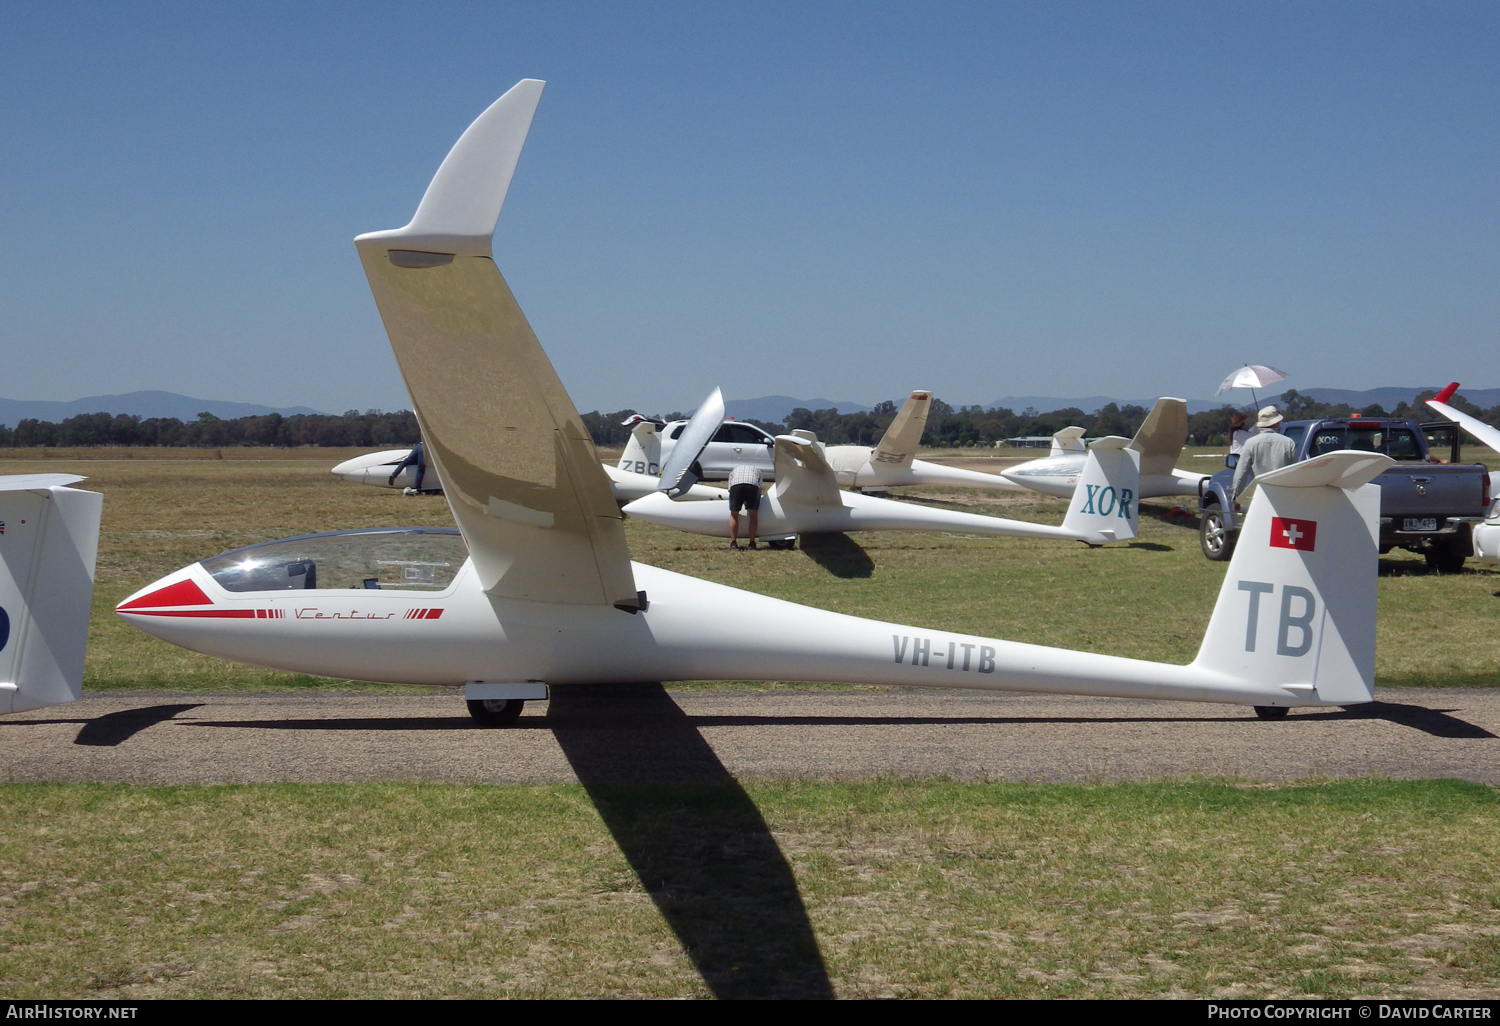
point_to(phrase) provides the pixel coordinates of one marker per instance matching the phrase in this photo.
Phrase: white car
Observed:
(733, 445)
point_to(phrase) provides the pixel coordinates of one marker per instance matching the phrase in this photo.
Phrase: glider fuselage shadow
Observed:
(837, 553)
(694, 838)
(114, 728)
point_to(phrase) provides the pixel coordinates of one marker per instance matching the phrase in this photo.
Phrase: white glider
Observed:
(627, 483)
(1487, 534)
(547, 594)
(1159, 441)
(891, 463)
(49, 539)
(806, 500)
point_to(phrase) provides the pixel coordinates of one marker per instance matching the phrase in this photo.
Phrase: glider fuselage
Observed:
(690, 630)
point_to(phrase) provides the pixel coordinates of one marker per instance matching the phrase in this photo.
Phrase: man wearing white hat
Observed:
(1267, 450)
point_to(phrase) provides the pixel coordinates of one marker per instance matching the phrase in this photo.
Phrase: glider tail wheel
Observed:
(496, 712)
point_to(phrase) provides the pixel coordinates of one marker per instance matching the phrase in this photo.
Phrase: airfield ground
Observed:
(710, 885)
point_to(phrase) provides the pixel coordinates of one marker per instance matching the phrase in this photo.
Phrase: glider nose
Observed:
(168, 607)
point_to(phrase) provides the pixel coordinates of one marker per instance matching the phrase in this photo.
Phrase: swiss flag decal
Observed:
(1301, 535)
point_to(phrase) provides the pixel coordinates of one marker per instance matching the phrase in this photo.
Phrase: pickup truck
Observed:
(1428, 502)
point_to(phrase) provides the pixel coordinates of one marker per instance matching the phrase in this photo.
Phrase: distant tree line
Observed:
(371, 428)
(947, 426)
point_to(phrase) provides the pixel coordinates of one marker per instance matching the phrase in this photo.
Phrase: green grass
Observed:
(1147, 599)
(933, 890)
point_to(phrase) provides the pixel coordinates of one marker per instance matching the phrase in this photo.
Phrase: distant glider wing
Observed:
(676, 477)
(518, 467)
(1490, 436)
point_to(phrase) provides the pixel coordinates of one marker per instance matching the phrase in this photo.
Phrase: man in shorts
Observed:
(744, 494)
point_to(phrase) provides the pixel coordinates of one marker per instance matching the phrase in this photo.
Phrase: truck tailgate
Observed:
(1432, 489)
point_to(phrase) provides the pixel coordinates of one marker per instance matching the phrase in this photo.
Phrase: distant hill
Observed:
(1386, 397)
(1090, 403)
(140, 404)
(1389, 397)
(774, 408)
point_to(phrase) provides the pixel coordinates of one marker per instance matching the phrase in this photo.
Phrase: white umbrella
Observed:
(1252, 376)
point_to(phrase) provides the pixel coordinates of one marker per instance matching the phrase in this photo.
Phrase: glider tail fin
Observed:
(50, 540)
(643, 452)
(899, 443)
(1105, 505)
(1161, 436)
(1068, 442)
(1297, 607)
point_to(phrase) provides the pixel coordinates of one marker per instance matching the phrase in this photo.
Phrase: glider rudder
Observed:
(1297, 607)
(1105, 503)
(49, 539)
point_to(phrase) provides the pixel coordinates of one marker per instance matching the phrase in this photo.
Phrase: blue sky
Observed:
(815, 199)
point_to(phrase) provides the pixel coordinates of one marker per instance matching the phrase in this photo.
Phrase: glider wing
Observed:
(518, 467)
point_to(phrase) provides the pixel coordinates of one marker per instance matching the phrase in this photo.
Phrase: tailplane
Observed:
(49, 537)
(803, 476)
(643, 452)
(1104, 506)
(1068, 442)
(899, 443)
(1297, 608)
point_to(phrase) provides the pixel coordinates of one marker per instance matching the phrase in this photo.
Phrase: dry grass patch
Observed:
(1337, 890)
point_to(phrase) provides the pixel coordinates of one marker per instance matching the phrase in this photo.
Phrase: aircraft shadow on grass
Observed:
(694, 838)
(839, 554)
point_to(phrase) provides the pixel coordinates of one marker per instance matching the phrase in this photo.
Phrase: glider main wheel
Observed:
(1271, 712)
(496, 712)
(1217, 542)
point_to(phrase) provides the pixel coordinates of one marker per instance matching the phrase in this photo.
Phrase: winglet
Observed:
(1446, 394)
(458, 212)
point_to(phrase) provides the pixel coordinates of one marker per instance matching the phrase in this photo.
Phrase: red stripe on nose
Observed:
(183, 593)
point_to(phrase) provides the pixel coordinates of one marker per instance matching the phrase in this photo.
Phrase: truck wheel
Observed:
(1444, 560)
(1270, 712)
(1216, 542)
(496, 712)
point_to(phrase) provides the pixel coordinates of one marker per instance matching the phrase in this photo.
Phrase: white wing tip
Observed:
(462, 203)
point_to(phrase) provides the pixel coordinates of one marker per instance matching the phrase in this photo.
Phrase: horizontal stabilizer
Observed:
(1347, 469)
(32, 482)
(1067, 442)
(803, 476)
